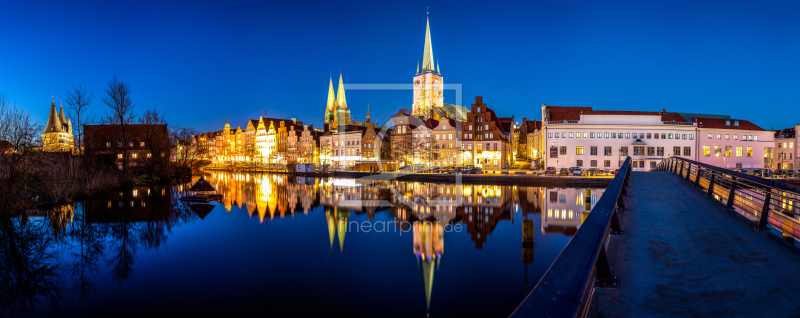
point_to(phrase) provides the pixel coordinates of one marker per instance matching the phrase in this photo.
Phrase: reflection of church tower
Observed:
(428, 247)
(337, 222)
(428, 91)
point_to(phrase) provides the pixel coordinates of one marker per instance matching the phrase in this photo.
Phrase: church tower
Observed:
(331, 105)
(57, 136)
(341, 115)
(428, 90)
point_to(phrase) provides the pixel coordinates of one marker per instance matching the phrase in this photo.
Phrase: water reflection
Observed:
(60, 255)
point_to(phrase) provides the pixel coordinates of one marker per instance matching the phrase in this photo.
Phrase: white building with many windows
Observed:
(586, 138)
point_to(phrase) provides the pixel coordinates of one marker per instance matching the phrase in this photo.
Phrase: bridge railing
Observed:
(566, 288)
(765, 201)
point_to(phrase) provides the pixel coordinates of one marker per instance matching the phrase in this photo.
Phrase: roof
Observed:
(559, 113)
(507, 123)
(533, 125)
(717, 123)
(96, 135)
(55, 122)
(785, 133)
(4, 144)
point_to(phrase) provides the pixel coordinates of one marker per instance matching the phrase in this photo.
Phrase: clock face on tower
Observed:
(416, 83)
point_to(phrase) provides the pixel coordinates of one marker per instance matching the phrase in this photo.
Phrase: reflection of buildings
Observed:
(567, 208)
(139, 204)
(479, 208)
(428, 248)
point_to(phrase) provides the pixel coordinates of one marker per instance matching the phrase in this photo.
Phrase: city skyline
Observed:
(246, 58)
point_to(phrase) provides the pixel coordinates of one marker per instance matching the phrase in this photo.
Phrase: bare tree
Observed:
(19, 137)
(120, 112)
(186, 159)
(79, 100)
(154, 130)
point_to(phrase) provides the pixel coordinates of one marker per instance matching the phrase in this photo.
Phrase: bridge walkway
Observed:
(684, 255)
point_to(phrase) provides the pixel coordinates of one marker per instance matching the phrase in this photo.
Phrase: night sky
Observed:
(205, 61)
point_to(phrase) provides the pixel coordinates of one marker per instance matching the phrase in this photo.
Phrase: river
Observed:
(280, 245)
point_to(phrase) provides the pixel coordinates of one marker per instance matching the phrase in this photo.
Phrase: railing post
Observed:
(620, 203)
(731, 194)
(688, 172)
(615, 228)
(711, 184)
(697, 178)
(680, 173)
(762, 223)
(603, 271)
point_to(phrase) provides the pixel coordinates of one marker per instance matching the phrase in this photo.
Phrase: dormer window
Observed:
(727, 123)
(736, 123)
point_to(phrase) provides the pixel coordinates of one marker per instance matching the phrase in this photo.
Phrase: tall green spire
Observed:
(331, 96)
(427, 55)
(342, 103)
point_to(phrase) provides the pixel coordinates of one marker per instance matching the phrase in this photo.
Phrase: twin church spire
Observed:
(336, 112)
(336, 100)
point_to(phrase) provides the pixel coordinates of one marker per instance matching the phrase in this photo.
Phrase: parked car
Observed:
(779, 173)
(791, 173)
(595, 172)
(550, 171)
(563, 172)
(576, 171)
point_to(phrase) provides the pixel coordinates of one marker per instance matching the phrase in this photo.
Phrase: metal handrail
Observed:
(763, 200)
(565, 289)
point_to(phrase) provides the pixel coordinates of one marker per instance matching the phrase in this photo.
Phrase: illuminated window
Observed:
(687, 151)
(623, 151)
(728, 151)
(607, 151)
(108, 144)
(585, 135)
(738, 151)
(706, 151)
(141, 144)
(571, 135)
(119, 156)
(563, 150)
(579, 150)
(735, 137)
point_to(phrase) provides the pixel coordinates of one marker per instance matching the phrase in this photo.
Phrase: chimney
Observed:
(294, 120)
(664, 110)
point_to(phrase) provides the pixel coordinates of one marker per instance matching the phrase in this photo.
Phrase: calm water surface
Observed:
(279, 245)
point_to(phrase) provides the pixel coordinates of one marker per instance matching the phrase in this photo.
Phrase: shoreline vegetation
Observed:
(32, 178)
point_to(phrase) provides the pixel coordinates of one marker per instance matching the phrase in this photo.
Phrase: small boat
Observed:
(202, 186)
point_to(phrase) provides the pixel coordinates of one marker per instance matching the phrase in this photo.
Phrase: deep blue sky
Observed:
(204, 61)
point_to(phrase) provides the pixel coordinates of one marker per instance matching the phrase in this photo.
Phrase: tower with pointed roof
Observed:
(331, 105)
(57, 135)
(337, 114)
(428, 90)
